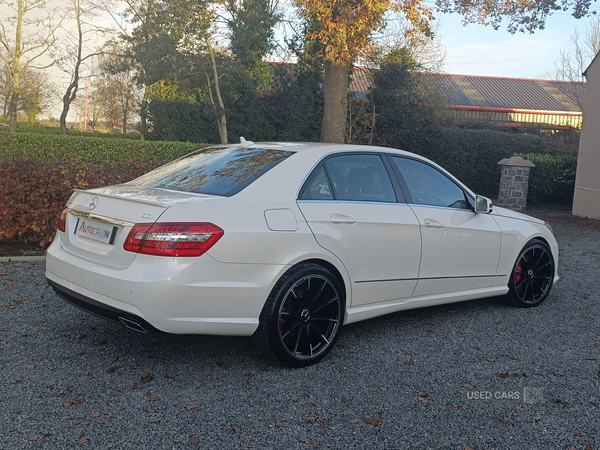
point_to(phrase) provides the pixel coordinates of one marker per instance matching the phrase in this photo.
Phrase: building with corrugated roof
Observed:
(512, 102)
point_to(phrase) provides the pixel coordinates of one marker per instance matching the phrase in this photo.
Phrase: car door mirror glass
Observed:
(483, 205)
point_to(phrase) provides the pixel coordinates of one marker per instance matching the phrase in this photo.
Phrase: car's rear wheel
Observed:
(532, 276)
(302, 317)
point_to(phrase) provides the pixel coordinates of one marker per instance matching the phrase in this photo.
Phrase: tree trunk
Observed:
(222, 121)
(125, 115)
(143, 106)
(12, 112)
(71, 92)
(335, 95)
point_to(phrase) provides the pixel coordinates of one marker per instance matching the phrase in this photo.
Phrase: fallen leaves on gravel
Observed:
(373, 421)
(158, 419)
(19, 379)
(311, 418)
(502, 375)
(590, 359)
(83, 439)
(30, 367)
(114, 369)
(408, 363)
(516, 358)
(191, 406)
(304, 441)
(147, 379)
(422, 400)
(238, 430)
(194, 441)
(505, 422)
(32, 438)
(93, 415)
(491, 359)
(70, 403)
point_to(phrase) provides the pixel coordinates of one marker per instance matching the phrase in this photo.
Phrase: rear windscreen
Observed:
(223, 171)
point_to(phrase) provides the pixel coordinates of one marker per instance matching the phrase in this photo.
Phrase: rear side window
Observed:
(222, 171)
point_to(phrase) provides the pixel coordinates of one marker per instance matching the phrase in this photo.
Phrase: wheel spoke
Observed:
(321, 334)
(329, 302)
(292, 328)
(298, 340)
(318, 294)
(327, 319)
(309, 340)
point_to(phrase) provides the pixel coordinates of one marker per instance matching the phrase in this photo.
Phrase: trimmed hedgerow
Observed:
(34, 191)
(552, 180)
(92, 150)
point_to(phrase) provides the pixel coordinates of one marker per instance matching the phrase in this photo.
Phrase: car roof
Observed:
(325, 148)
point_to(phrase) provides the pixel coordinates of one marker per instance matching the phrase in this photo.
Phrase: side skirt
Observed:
(364, 312)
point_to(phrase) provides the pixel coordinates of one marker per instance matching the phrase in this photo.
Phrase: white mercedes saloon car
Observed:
(287, 242)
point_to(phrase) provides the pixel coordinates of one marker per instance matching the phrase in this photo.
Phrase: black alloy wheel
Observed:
(532, 275)
(303, 316)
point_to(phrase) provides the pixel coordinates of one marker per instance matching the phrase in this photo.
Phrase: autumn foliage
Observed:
(33, 191)
(345, 27)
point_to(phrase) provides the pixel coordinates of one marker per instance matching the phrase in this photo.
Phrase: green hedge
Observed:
(91, 149)
(552, 180)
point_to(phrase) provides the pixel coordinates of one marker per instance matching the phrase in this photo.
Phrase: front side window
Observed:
(357, 177)
(428, 186)
(223, 171)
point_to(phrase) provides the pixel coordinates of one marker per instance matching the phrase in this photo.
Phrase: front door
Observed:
(460, 248)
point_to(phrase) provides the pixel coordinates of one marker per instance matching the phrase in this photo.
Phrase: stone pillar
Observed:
(514, 183)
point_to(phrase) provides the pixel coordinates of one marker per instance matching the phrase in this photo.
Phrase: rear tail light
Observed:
(62, 220)
(172, 239)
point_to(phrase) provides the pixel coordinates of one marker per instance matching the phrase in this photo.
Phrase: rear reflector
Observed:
(62, 220)
(172, 238)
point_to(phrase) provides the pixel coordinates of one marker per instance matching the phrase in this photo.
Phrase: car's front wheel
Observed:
(302, 317)
(532, 276)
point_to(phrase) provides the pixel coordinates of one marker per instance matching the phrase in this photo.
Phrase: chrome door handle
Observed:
(341, 219)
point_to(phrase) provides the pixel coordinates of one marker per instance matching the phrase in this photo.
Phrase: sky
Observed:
(479, 50)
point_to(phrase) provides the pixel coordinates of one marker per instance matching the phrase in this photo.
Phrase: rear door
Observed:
(352, 208)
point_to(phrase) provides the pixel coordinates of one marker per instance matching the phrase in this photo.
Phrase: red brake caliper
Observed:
(282, 319)
(518, 275)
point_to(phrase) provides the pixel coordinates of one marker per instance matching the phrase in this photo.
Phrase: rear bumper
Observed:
(172, 295)
(101, 310)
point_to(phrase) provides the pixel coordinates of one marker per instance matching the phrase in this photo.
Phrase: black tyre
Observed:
(532, 276)
(302, 317)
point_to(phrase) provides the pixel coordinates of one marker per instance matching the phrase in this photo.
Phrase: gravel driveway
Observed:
(70, 380)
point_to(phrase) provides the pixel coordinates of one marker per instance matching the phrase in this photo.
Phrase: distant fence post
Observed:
(514, 183)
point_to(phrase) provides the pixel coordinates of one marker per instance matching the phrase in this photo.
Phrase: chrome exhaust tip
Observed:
(132, 325)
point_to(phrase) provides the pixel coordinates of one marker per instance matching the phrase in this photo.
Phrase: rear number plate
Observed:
(98, 231)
